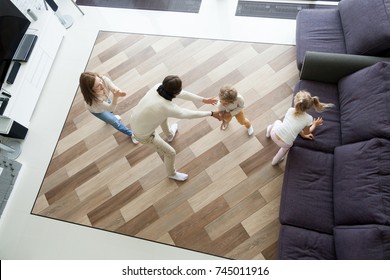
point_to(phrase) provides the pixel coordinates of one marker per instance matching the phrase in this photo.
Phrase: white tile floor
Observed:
(25, 236)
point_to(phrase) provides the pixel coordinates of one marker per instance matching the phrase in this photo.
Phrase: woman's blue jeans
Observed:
(110, 118)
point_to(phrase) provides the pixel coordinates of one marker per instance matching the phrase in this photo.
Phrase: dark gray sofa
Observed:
(359, 27)
(335, 201)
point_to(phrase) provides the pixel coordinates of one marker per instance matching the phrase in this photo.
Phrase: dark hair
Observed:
(87, 81)
(171, 86)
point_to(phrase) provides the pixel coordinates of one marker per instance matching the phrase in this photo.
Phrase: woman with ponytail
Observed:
(296, 121)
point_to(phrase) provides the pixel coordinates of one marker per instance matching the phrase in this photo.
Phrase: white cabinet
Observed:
(31, 77)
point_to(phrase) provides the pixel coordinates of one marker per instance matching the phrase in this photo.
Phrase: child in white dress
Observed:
(296, 121)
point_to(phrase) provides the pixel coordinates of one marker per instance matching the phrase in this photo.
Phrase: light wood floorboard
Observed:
(229, 207)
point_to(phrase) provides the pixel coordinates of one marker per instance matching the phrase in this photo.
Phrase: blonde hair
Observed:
(303, 101)
(228, 93)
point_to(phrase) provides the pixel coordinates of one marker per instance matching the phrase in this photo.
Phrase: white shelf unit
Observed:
(31, 77)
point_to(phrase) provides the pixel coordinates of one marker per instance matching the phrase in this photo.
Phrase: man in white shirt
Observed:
(154, 109)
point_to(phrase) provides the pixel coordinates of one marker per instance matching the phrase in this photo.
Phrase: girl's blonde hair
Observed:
(228, 93)
(303, 101)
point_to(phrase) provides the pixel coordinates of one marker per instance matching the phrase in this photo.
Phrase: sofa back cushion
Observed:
(365, 104)
(366, 25)
(318, 30)
(361, 183)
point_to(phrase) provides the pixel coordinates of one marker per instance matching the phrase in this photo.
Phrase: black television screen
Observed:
(13, 26)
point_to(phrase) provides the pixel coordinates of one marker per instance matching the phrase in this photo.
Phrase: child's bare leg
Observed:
(224, 124)
(226, 119)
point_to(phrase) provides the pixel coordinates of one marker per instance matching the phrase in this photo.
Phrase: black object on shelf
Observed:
(25, 47)
(3, 104)
(53, 5)
(13, 73)
(17, 131)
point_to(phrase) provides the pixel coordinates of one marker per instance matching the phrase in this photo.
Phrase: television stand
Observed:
(24, 92)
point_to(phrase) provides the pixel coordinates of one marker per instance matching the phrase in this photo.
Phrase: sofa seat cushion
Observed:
(307, 197)
(366, 25)
(365, 104)
(318, 30)
(326, 136)
(362, 183)
(302, 244)
(363, 242)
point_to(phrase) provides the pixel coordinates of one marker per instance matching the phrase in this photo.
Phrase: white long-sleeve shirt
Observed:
(153, 109)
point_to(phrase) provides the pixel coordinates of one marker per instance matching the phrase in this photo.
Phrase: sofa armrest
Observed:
(331, 67)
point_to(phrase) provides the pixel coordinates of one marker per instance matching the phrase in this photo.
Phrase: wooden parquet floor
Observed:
(229, 206)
